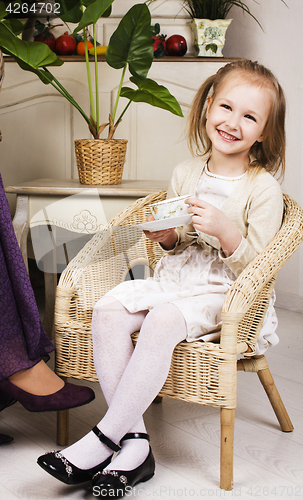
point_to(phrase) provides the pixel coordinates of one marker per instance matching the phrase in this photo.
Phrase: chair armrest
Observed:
(250, 293)
(266, 265)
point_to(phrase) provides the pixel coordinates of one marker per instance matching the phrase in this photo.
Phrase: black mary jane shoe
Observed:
(58, 466)
(116, 483)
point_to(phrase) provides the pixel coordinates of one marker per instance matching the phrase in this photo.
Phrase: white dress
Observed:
(195, 280)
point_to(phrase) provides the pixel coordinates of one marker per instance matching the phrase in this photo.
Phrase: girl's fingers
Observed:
(196, 202)
(196, 220)
(196, 211)
(158, 235)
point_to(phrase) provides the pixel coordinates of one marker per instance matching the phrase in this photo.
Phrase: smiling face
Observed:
(236, 116)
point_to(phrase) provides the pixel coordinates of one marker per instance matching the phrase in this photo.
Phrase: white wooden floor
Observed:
(268, 464)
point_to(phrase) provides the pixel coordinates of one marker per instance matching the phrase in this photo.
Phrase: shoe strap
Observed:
(105, 440)
(135, 435)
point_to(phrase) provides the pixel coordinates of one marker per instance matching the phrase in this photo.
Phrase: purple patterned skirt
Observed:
(23, 341)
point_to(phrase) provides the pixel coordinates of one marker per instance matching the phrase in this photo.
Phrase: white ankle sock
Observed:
(87, 452)
(132, 454)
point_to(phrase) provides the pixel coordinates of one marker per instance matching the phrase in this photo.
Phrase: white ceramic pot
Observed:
(209, 36)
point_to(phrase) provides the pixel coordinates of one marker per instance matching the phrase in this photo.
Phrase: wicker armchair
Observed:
(201, 372)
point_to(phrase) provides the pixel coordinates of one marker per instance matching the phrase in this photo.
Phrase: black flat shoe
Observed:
(59, 467)
(116, 483)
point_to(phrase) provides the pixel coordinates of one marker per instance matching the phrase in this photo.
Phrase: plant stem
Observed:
(119, 92)
(57, 85)
(125, 109)
(96, 77)
(90, 90)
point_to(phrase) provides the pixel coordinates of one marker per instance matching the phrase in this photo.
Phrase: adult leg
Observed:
(23, 374)
(39, 380)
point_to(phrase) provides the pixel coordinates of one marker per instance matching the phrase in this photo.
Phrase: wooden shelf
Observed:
(169, 59)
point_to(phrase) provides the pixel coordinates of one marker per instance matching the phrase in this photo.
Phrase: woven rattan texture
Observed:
(100, 161)
(201, 372)
(251, 291)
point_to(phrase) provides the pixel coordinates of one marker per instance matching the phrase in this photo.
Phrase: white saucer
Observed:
(159, 225)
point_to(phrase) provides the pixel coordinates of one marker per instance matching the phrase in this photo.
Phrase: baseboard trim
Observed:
(290, 302)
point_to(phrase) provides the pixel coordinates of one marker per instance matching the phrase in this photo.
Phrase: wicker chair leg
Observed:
(62, 427)
(227, 448)
(276, 402)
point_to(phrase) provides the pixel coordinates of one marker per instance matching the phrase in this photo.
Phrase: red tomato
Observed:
(176, 45)
(49, 39)
(65, 45)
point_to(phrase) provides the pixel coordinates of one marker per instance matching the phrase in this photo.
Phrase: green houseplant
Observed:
(130, 47)
(209, 23)
(214, 9)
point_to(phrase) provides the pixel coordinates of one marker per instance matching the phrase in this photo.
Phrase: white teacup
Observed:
(173, 207)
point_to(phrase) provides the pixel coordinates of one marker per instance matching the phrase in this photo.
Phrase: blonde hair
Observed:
(270, 153)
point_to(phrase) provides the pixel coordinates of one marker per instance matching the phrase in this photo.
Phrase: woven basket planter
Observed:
(100, 161)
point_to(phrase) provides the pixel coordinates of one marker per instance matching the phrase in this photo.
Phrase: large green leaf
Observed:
(86, 3)
(132, 43)
(15, 25)
(70, 10)
(29, 55)
(93, 12)
(44, 77)
(3, 11)
(107, 12)
(152, 93)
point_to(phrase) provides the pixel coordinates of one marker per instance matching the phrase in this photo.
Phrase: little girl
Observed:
(236, 126)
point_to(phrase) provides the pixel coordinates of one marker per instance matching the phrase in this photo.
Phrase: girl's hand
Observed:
(212, 221)
(167, 237)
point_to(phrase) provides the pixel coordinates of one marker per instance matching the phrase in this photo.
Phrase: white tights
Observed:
(130, 379)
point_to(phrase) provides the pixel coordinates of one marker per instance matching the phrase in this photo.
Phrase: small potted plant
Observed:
(130, 47)
(209, 23)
